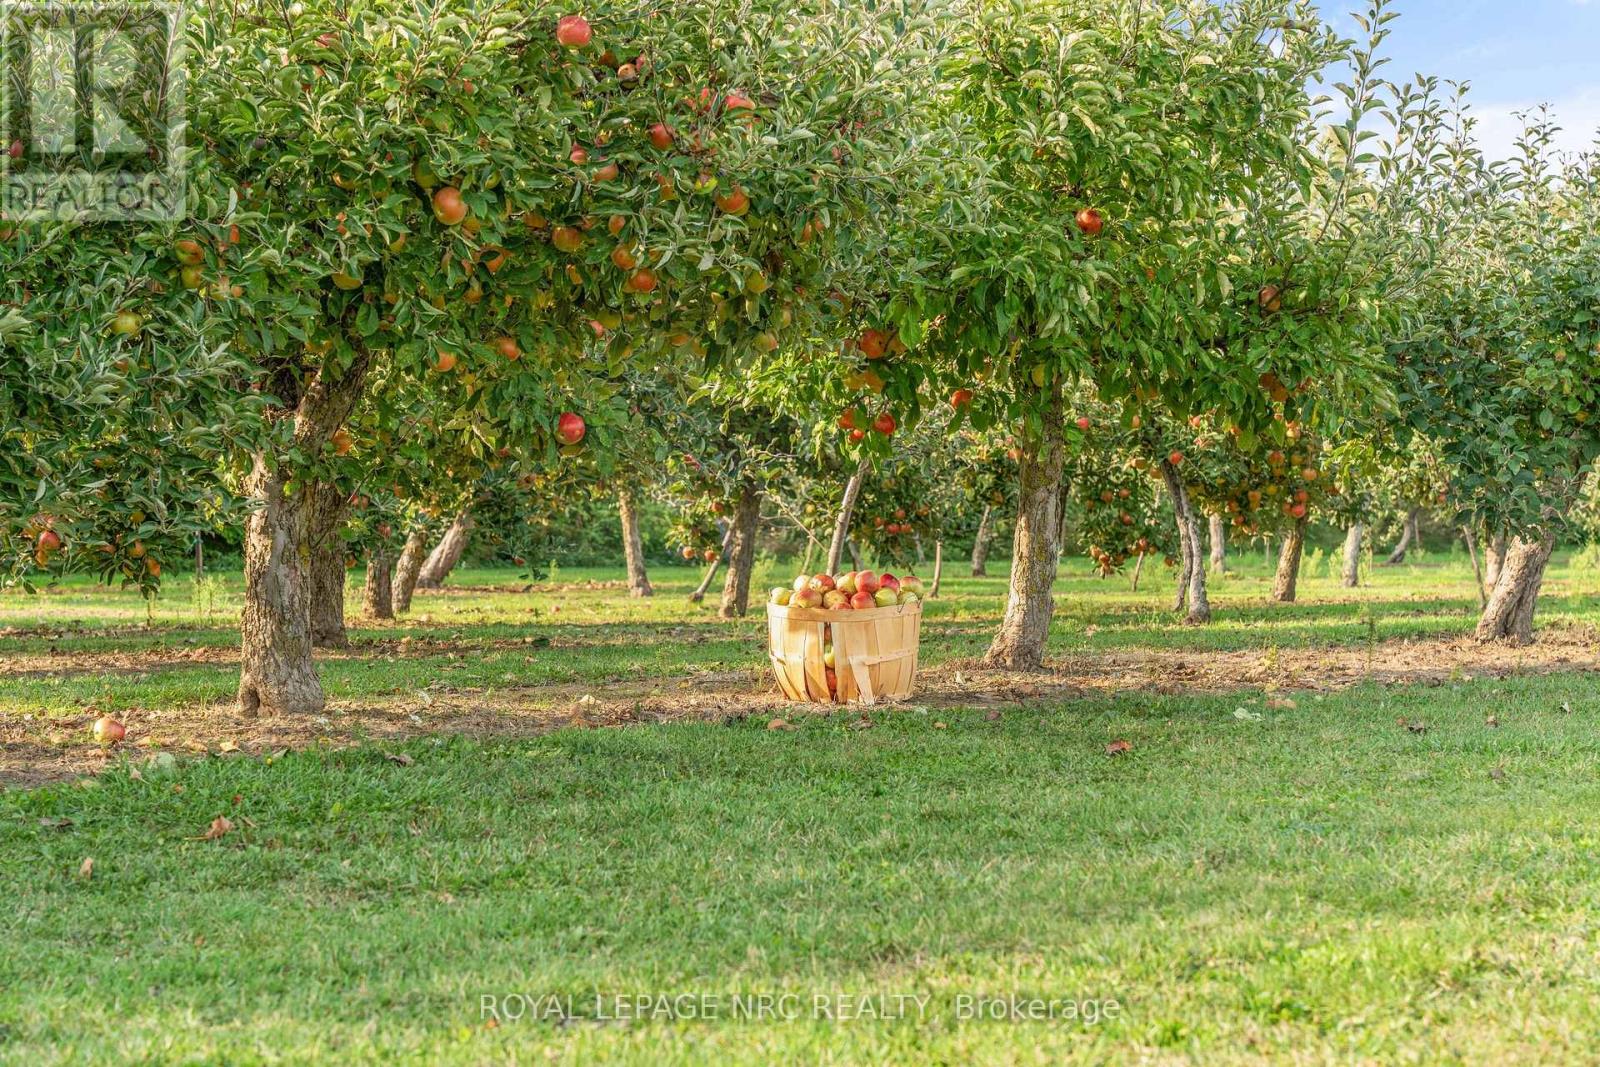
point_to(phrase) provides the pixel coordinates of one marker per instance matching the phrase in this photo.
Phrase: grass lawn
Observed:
(1383, 873)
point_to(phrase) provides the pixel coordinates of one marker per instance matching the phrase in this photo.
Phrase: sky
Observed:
(1516, 53)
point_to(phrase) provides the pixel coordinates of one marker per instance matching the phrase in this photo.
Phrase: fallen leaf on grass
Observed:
(86, 868)
(134, 775)
(1281, 704)
(1413, 727)
(400, 758)
(1493, 720)
(228, 746)
(219, 826)
(1497, 773)
(940, 726)
(1246, 715)
(862, 723)
(1117, 748)
(779, 724)
(993, 716)
(59, 822)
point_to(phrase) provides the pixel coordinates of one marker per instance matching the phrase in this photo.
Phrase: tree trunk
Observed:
(1410, 538)
(409, 569)
(938, 569)
(855, 554)
(1138, 569)
(847, 507)
(446, 554)
(1477, 567)
(633, 546)
(327, 567)
(742, 556)
(1287, 581)
(378, 596)
(1494, 558)
(980, 547)
(276, 673)
(1509, 615)
(1191, 560)
(1219, 545)
(1020, 642)
(711, 572)
(199, 558)
(1352, 555)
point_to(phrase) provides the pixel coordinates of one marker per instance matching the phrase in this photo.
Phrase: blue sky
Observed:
(1516, 54)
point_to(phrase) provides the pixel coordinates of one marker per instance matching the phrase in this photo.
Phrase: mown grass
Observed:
(1248, 882)
(1378, 874)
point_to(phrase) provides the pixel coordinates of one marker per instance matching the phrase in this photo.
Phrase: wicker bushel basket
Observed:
(874, 652)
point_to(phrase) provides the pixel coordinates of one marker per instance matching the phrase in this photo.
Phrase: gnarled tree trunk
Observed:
(276, 672)
(633, 546)
(327, 567)
(1352, 555)
(1025, 629)
(1287, 581)
(742, 554)
(409, 568)
(1191, 559)
(1410, 538)
(1219, 544)
(446, 554)
(1509, 614)
(378, 596)
(980, 547)
(847, 507)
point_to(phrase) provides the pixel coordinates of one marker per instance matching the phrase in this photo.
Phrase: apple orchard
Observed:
(884, 276)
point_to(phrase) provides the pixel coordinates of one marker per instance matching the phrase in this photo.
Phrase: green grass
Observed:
(1252, 882)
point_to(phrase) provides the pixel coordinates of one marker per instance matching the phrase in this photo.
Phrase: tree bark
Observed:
(1352, 555)
(1410, 537)
(742, 555)
(276, 672)
(328, 504)
(409, 568)
(378, 597)
(1219, 544)
(1025, 629)
(711, 573)
(1509, 615)
(1494, 558)
(980, 547)
(1191, 560)
(938, 569)
(633, 546)
(1287, 582)
(1138, 569)
(847, 507)
(446, 554)
(855, 554)
(1471, 539)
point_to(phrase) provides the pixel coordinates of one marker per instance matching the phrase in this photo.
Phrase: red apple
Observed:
(834, 600)
(573, 31)
(867, 582)
(1090, 221)
(108, 731)
(846, 583)
(570, 428)
(873, 344)
(889, 581)
(960, 398)
(910, 583)
(824, 582)
(1084, 423)
(448, 207)
(857, 436)
(661, 136)
(49, 540)
(861, 601)
(806, 598)
(1175, 458)
(847, 421)
(884, 424)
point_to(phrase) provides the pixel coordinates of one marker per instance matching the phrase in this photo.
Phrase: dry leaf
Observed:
(1117, 748)
(59, 822)
(1493, 720)
(1281, 704)
(1497, 773)
(86, 869)
(862, 723)
(400, 758)
(228, 746)
(993, 716)
(134, 775)
(940, 726)
(219, 826)
(779, 724)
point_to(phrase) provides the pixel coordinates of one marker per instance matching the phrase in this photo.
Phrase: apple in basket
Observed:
(834, 600)
(847, 583)
(886, 598)
(867, 582)
(806, 598)
(823, 582)
(908, 596)
(910, 584)
(802, 582)
(889, 581)
(833, 682)
(828, 660)
(861, 601)
(781, 595)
